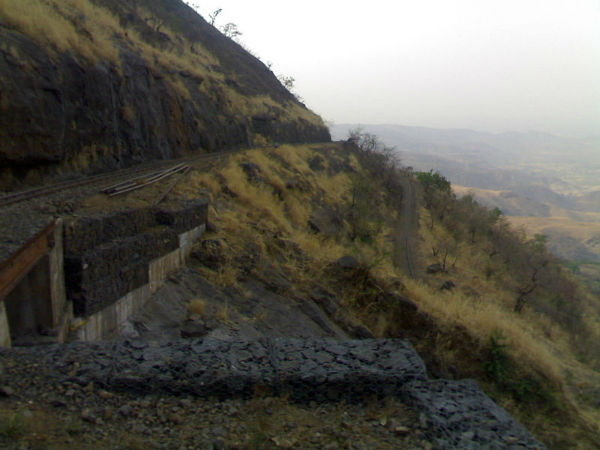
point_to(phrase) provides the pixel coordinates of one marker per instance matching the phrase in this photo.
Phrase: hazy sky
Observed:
(490, 65)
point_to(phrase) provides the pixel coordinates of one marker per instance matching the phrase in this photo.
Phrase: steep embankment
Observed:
(315, 225)
(302, 245)
(307, 234)
(93, 84)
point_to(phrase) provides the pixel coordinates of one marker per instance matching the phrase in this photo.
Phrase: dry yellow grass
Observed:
(298, 210)
(295, 158)
(196, 182)
(56, 23)
(336, 188)
(258, 204)
(576, 229)
(259, 216)
(526, 341)
(537, 345)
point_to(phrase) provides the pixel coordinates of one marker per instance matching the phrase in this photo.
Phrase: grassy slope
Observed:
(540, 351)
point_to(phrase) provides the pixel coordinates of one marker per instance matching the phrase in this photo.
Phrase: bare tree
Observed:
(288, 82)
(231, 30)
(213, 16)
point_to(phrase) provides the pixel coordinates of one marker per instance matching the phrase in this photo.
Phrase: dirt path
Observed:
(405, 237)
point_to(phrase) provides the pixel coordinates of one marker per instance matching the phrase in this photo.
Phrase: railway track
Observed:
(121, 181)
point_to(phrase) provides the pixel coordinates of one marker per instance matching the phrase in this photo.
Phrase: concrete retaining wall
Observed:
(105, 322)
(5, 340)
(100, 325)
(107, 266)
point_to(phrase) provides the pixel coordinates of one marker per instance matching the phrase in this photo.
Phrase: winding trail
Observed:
(405, 237)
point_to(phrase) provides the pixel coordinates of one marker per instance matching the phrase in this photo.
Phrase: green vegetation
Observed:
(497, 366)
(499, 369)
(432, 181)
(12, 425)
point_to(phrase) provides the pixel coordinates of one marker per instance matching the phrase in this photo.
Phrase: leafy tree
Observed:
(434, 180)
(363, 212)
(437, 193)
(379, 160)
(380, 183)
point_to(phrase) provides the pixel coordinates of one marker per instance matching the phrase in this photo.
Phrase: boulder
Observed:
(210, 253)
(348, 263)
(194, 329)
(326, 221)
(447, 286)
(252, 172)
(434, 268)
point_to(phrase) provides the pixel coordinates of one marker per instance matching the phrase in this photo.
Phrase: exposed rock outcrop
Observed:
(91, 111)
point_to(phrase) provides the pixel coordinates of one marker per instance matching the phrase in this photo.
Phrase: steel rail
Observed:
(134, 186)
(123, 185)
(104, 178)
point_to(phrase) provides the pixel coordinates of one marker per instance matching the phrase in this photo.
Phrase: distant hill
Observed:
(548, 184)
(93, 84)
(495, 160)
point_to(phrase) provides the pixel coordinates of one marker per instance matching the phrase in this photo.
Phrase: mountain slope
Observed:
(94, 84)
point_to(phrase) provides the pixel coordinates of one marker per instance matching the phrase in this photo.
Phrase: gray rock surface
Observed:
(455, 414)
(128, 109)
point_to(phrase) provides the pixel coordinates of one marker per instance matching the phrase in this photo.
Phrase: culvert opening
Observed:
(29, 306)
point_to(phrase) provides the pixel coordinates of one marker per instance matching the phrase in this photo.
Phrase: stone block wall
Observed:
(107, 257)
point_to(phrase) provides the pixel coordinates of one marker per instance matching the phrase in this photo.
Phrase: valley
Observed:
(544, 184)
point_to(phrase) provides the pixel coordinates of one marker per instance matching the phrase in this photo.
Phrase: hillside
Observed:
(544, 183)
(323, 268)
(91, 85)
(306, 235)
(305, 243)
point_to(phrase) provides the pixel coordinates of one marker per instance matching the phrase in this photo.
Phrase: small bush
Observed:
(12, 426)
(197, 306)
(497, 367)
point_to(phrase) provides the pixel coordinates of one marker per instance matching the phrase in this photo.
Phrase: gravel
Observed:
(127, 381)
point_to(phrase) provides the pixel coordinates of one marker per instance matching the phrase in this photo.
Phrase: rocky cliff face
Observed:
(99, 84)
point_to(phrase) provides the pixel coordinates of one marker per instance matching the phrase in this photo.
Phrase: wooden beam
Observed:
(15, 268)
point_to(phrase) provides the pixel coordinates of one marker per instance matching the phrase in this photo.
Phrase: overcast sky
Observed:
(489, 65)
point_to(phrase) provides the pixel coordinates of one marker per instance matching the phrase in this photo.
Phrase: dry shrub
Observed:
(59, 24)
(259, 203)
(197, 306)
(259, 140)
(298, 210)
(196, 182)
(334, 188)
